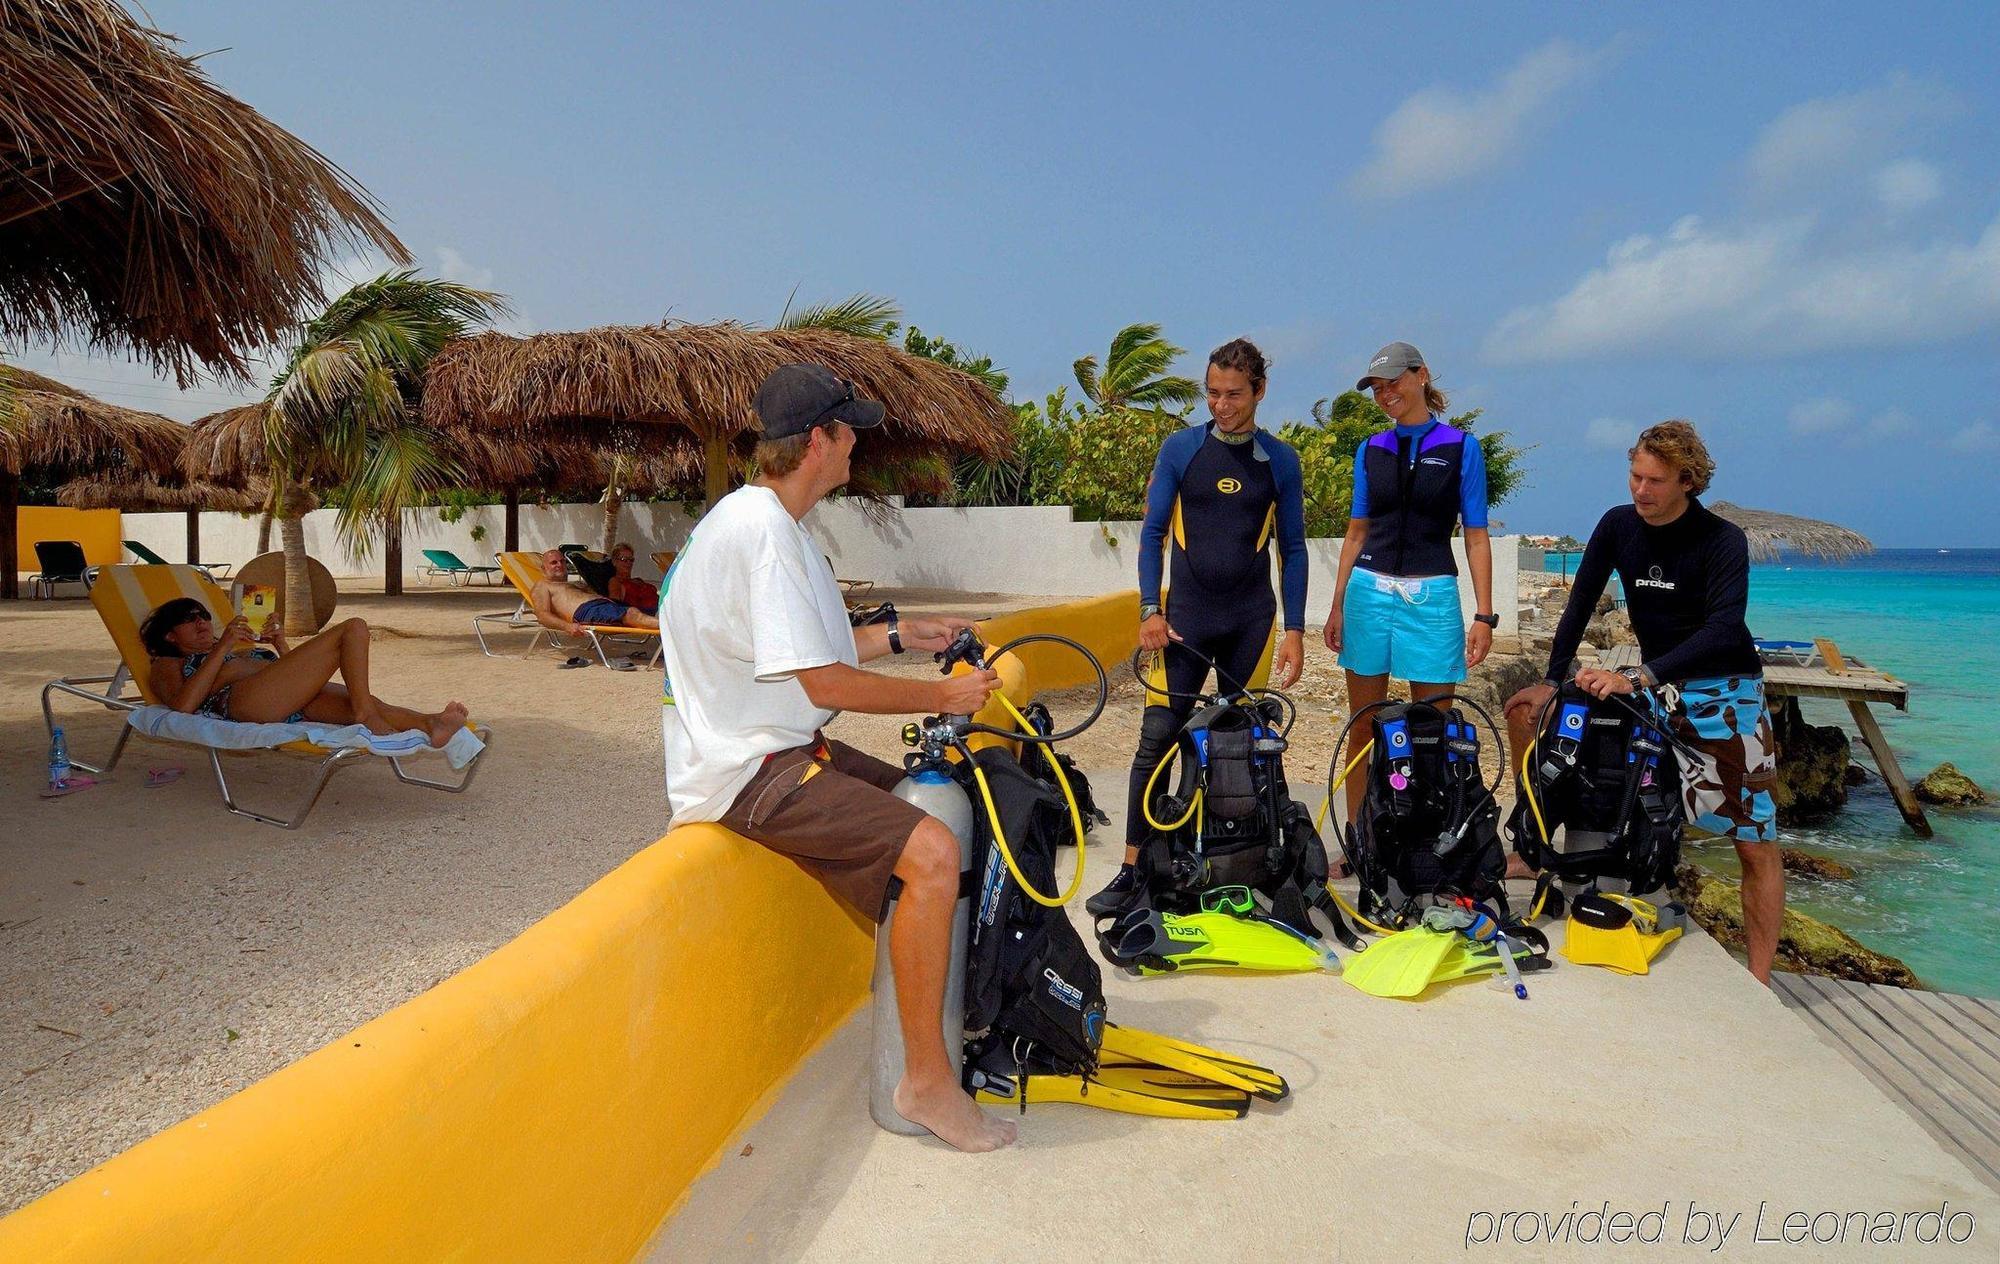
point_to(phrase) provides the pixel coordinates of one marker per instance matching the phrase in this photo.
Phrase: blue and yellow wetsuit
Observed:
(1221, 503)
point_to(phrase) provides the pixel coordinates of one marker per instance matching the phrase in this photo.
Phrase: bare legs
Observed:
(298, 682)
(1763, 904)
(920, 953)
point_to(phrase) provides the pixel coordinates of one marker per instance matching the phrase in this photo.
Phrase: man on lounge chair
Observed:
(560, 606)
(759, 656)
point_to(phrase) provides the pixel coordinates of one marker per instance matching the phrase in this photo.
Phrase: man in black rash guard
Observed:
(1220, 492)
(1686, 574)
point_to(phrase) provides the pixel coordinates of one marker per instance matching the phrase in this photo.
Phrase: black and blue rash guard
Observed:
(1222, 503)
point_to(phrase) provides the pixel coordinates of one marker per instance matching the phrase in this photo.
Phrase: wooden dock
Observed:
(1933, 1053)
(1834, 677)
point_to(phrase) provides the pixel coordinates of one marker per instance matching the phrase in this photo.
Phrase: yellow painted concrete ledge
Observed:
(553, 1101)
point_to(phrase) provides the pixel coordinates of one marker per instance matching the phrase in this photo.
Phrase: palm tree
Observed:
(862, 315)
(1135, 378)
(343, 412)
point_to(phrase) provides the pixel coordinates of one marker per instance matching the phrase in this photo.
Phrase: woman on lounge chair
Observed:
(199, 672)
(636, 593)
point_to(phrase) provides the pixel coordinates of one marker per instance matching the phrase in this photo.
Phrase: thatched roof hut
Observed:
(54, 436)
(617, 383)
(147, 210)
(149, 495)
(1772, 534)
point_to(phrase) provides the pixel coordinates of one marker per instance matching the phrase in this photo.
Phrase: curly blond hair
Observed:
(1676, 443)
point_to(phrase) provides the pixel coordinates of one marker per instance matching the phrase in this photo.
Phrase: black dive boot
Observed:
(1122, 893)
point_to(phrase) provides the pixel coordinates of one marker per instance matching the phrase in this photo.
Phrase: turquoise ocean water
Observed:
(1931, 617)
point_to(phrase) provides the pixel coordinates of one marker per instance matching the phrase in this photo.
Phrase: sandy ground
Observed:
(1412, 1128)
(157, 953)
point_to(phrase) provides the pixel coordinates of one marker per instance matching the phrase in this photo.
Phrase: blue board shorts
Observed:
(601, 611)
(1411, 629)
(1727, 785)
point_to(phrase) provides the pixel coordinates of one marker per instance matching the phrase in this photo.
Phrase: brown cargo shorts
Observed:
(829, 808)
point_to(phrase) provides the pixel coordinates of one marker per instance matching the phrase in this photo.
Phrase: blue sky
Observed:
(1784, 226)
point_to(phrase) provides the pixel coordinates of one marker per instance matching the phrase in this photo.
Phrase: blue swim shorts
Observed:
(1727, 785)
(601, 611)
(1411, 629)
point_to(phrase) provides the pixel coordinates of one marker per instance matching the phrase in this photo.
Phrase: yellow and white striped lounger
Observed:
(124, 596)
(524, 571)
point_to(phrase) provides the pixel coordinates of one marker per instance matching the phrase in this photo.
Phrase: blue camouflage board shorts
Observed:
(1727, 788)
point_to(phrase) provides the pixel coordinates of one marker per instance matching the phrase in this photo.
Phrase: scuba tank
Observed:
(931, 787)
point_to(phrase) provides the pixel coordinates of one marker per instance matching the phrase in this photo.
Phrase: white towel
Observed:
(208, 730)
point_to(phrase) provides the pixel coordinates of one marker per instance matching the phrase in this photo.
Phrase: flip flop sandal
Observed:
(573, 661)
(623, 664)
(157, 777)
(69, 787)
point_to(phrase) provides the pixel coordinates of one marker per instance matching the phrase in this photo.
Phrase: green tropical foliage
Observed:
(1134, 376)
(343, 412)
(862, 315)
(1342, 424)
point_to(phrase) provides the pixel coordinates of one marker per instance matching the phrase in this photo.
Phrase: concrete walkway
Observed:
(1412, 1127)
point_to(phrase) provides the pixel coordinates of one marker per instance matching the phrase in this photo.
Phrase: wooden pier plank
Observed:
(1907, 1059)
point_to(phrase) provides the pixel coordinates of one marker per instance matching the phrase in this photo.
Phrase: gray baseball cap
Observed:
(797, 397)
(1391, 362)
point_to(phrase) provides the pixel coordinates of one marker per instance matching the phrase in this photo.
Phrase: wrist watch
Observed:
(1147, 612)
(895, 636)
(1490, 620)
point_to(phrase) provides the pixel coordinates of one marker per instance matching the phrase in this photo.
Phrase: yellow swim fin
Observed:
(1074, 1089)
(1129, 1045)
(1401, 965)
(1618, 932)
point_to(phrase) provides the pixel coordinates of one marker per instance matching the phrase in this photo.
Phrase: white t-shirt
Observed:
(752, 602)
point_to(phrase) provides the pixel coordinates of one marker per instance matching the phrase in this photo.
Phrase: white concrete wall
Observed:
(1027, 550)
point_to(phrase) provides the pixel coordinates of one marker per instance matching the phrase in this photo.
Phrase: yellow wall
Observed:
(554, 1101)
(96, 529)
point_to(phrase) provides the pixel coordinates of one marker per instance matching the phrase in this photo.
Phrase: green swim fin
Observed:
(1468, 960)
(1401, 965)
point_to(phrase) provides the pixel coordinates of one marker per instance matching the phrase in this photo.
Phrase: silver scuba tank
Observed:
(932, 789)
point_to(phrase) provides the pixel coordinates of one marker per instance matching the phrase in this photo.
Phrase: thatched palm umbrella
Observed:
(618, 383)
(54, 436)
(1773, 533)
(148, 211)
(148, 495)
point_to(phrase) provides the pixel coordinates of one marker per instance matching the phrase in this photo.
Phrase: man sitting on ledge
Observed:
(561, 606)
(759, 656)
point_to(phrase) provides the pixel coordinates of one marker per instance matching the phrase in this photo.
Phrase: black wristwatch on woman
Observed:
(1490, 620)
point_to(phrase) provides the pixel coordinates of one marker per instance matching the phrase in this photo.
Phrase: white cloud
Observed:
(1440, 136)
(1980, 436)
(1758, 292)
(1613, 434)
(1817, 416)
(1837, 134)
(1907, 185)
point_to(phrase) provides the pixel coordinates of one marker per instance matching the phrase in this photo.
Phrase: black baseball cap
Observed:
(797, 397)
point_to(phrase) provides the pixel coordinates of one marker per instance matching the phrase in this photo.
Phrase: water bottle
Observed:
(58, 760)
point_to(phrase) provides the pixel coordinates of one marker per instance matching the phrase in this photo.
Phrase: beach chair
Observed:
(524, 571)
(124, 596)
(214, 570)
(448, 564)
(62, 562)
(664, 559)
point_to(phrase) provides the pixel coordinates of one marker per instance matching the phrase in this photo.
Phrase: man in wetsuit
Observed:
(1686, 574)
(1221, 491)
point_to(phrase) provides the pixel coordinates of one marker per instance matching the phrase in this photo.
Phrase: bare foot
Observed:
(954, 1118)
(1519, 868)
(446, 722)
(374, 722)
